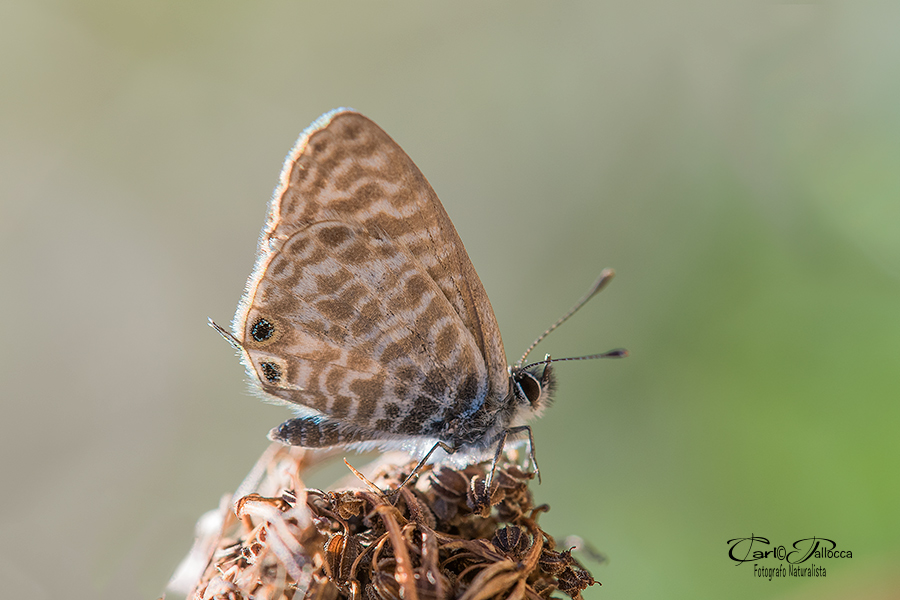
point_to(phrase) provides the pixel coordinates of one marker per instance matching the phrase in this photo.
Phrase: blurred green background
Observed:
(737, 163)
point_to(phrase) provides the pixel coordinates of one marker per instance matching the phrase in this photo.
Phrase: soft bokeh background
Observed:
(738, 164)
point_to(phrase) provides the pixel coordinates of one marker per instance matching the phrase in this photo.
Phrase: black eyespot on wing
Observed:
(262, 330)
(271, 372)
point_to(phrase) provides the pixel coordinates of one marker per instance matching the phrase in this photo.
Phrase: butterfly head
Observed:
(533, 386)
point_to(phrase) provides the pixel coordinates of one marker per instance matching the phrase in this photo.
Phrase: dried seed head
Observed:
(480, 500)
(511, 540)
(554, 562)
(443, 539)
(573, 580)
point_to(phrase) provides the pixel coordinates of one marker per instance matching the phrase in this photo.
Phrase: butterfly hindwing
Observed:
(347, 322)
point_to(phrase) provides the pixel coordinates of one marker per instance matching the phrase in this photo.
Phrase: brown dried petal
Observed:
(340, 552)
(448, 483)
(543, 586)
(512, 477)
(418, 509)
(321, 588)
(444, 509)
(492, 581)
(385, 586)
(348, 505)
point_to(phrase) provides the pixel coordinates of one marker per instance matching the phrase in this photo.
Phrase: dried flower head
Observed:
(444, 537)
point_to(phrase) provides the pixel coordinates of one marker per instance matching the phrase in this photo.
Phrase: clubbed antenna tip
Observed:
(605, 277)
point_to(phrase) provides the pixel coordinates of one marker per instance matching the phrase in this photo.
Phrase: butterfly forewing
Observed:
(363, 304)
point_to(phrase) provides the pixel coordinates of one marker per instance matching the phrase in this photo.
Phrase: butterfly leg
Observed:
(503, 436)
(421, 465)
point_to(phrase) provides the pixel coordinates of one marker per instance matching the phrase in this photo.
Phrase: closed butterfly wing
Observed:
(363, 304)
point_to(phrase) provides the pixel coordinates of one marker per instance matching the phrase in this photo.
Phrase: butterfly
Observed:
(364, 313)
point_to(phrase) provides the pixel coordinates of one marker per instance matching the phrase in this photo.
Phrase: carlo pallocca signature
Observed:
(757, 548)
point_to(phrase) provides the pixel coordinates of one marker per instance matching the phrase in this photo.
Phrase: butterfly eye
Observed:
(262, 330)
(529, 385)
(271, 372)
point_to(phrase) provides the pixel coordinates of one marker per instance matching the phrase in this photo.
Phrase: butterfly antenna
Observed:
(226, 334)
(605, 276)
(617, 353)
